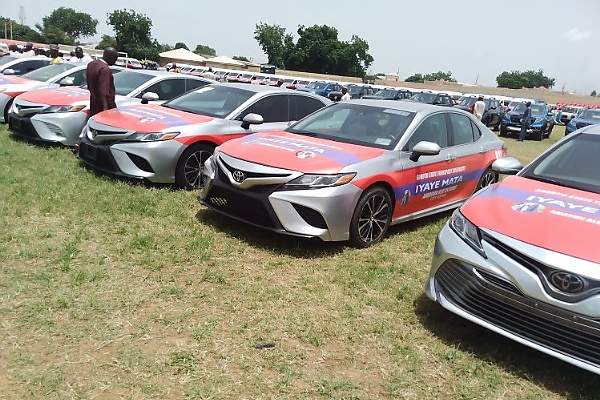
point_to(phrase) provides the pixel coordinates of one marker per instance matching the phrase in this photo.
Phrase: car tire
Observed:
(371, 218)
(502, 131)
(6, 110)
(487, 178)
(188, 173)
(540, 135)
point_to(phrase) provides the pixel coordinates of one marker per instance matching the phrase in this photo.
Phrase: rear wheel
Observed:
(188, 172)
(489, 177)
(371, 218)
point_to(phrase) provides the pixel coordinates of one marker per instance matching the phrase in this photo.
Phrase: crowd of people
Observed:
(53, 51)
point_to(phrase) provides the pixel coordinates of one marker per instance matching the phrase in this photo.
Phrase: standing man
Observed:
(28, 50)
(345, 95)
(80, 56)
(100, 82)
(54, 54)
(479, 108)
(525, 121)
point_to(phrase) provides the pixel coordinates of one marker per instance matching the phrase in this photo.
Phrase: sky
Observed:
(474, 40)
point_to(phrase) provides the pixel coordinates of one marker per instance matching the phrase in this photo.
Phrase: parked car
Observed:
(53, 75)
(359, 91)
(350, 170)
(567, 113)
(521, 258)
(128, 62)
(439, 99)
(584, 118)
(321, 88)
(390, 94)
(19, 65)
(58, 115)
(492, 114)
(169, 143)
(542, 121)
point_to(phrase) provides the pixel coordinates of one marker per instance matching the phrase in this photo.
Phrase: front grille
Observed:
(238, 204)
(515, 118)
(502, 304)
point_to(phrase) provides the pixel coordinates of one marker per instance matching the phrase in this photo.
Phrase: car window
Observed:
(47, 72)
(191, 84)
(167, 88)
(215, 101)
(462, 129)
(272, 108)
(432, 129)
(305, 105)
(77, 78)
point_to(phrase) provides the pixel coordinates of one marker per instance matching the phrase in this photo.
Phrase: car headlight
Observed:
(309, 181)
(151, 136)
(63, 109)
(467, 231)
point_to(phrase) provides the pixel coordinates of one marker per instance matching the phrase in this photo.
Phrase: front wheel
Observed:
(371, 218)
(489, 177)
(188, 172)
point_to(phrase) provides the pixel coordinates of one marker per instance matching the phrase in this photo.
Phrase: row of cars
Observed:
(299, 164)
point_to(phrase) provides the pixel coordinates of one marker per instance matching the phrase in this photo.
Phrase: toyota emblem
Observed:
(238, 176)
(567, 282)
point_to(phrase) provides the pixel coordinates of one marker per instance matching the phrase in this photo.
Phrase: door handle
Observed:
(450, 157)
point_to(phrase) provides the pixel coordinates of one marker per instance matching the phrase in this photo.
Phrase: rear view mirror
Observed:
(252, 119)
(149, 96)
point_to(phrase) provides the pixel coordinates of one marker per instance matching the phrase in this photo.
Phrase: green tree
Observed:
(417, 78)
(180, 45)
(241, 58)
(271, 39)
(205, 50)
(65, 25)
(439, 76)
(107, 41)
(18, 31)
(593, 94)
(132, 34)
(527, 79)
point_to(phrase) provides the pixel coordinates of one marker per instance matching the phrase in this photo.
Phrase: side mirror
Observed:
(149, 96)
(252, 119)
(424, 148)
(507, 166)
(69, 81)
(8, 71)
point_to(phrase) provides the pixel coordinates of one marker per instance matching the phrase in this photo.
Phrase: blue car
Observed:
(542, 121)
(583, 118)
(322, 88)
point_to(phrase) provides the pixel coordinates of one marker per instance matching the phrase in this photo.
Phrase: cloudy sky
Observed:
(475, 40)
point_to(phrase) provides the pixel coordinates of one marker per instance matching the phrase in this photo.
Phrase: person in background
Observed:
(80, 56)
(29, 49)
(209, 74)
(54, 54)
(525, 121)
(345, 95)
(479, 108)
(100, 82)
(175, 68)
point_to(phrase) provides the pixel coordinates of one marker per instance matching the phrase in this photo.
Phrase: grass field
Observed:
(111, 290)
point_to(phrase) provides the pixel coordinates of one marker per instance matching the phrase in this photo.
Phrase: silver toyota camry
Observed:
(352, 169)
(58, 115)
(169, 143)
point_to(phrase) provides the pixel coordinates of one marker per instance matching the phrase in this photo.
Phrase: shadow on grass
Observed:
(522, 361)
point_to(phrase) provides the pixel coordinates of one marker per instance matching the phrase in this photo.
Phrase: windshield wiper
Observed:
(548, 180)
(305, 133)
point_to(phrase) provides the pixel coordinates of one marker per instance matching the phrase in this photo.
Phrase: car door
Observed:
(275, 110)
(465, 138)
(428, 183)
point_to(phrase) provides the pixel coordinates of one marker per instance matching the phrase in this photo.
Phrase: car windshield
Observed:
(48, 72)
(573, 164)
(570, 109)
(386, 93)
(357, 124)
(590, 114)
(537, 109)
(317, 85)
(425, 97)
(214, 101)
(354, 89)
(127, 81)
(467, 101)
(7, 59)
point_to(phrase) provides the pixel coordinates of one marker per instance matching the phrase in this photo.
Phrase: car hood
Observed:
(148, 118)
(553, 217)
(13, 79)
(57, 97)
(285, 150)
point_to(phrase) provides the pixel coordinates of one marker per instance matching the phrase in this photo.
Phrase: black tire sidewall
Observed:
(355, 238)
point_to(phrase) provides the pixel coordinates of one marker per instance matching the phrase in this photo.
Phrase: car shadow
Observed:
(271, 241)
(526, 363)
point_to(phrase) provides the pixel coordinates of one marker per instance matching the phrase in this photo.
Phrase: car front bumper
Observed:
(318, 213)
(504, 293)
(154, 162)
(63, 128)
